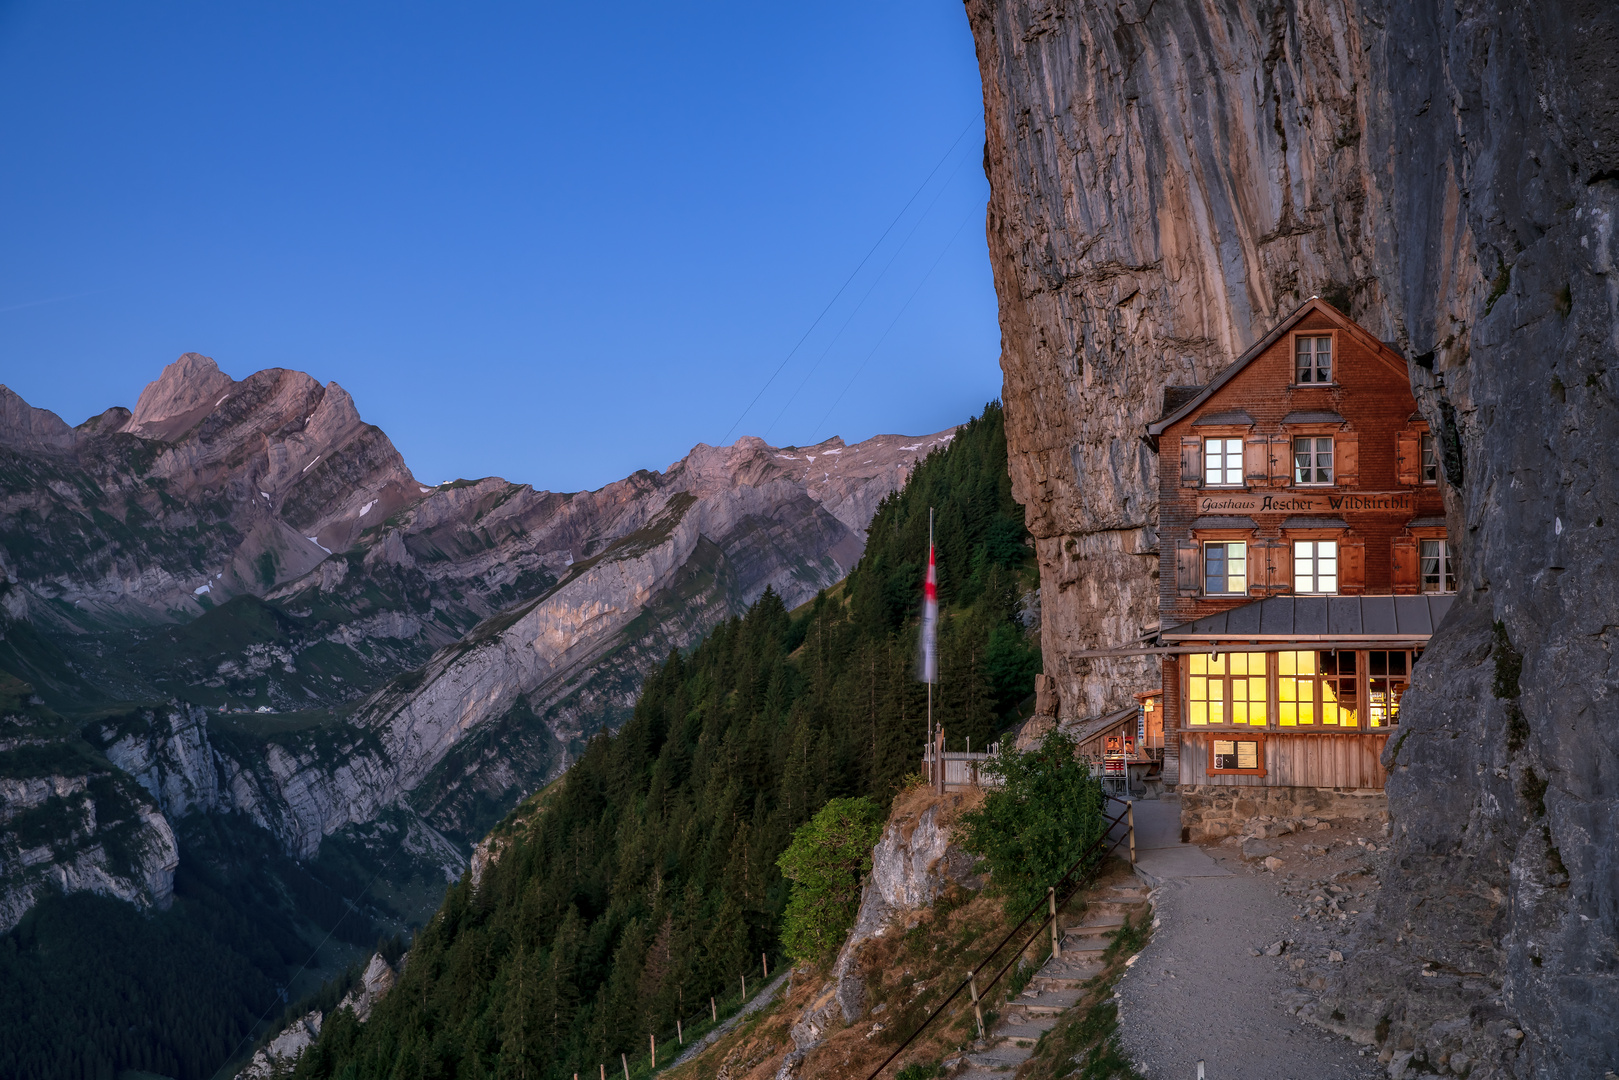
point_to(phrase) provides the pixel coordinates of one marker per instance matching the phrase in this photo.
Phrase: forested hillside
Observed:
(646, 880)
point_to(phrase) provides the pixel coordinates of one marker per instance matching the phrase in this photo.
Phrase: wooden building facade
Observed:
(1303, 560)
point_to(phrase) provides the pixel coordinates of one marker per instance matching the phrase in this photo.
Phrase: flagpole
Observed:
(938, 764)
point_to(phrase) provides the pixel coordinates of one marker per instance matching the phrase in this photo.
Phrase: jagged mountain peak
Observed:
(23, 427)
(186, 391)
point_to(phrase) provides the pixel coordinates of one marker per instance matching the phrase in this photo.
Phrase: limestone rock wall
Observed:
(1167, 180)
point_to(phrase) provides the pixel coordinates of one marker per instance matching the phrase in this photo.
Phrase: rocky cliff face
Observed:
(1167, 180)
(331, 639)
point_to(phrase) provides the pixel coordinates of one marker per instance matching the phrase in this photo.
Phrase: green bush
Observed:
(827, 859)
(1045, 815)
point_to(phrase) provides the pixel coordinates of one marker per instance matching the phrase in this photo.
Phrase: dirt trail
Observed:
(1208, 985)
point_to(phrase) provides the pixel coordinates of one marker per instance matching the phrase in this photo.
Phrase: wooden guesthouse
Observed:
(1304, 565)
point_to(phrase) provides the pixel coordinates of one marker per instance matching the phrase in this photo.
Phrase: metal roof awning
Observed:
(1086, 730)
(1341, 618)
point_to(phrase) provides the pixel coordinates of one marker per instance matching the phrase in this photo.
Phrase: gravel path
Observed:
(759, 1001)
(1197, 992)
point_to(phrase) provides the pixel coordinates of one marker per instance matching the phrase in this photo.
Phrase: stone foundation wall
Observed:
(1212, 812)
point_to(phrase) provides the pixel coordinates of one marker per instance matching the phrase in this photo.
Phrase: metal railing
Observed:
(1057, 896)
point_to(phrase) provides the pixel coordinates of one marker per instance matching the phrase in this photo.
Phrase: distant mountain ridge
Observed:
(230, 546)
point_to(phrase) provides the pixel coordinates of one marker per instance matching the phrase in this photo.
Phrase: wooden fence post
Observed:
(978, 1010)
(1056, 935)
(713, 1013)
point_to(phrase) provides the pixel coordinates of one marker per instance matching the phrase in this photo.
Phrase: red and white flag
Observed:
(930, 623)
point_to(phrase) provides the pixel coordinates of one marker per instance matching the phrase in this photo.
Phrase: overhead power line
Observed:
(867, 257)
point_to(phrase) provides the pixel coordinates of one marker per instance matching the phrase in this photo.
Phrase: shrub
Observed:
(828, 857)
(1045, 815)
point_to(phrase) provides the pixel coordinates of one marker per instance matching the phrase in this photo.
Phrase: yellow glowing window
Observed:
(1248, 689)
(1340, 689)
(1295, 688)
(1228, 689)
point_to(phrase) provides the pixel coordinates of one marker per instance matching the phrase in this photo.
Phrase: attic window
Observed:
(1313, 359)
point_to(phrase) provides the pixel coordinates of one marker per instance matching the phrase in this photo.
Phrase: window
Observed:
(1316, 688)
(1430, 461)
(1387, 677)
(1312, 460)
(1340, 689)
(1315, 566)
(1226, 689)
(1236, 755)
(1438, 574)
(1313, 357)
(1225, 568)
(1222, 461)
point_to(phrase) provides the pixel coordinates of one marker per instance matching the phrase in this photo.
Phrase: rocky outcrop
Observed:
(78, 829)
(277, 1057)
(913, 862)
(1167, 179)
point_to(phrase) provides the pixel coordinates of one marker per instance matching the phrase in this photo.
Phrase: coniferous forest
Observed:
(646, 880)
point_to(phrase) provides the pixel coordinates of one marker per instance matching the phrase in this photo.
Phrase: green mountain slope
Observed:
(646, 881)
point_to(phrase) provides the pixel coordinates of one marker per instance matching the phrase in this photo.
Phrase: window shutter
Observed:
(1256, 460)
(1408, 457)
(1346, 459)
(1406, 578)
(1191, 461)
(1281, 460)
(1351, 565)
(1188, 567)
(1281, 566)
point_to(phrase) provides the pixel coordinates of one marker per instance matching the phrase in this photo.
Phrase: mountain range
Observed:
(236, 599)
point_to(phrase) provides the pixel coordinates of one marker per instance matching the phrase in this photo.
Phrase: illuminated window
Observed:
(1295, 688)
(1388, 674)
(1222, 462)
(1225, 568)
(1313, 357)
(1430, 461)
(1438, 575)
(1315, 566)
(1312, 460)
(1340, 689)
(1205, 690)
(1228, 689)
(1248, 688)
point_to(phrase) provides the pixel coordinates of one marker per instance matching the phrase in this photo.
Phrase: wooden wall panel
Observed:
(1292, 760)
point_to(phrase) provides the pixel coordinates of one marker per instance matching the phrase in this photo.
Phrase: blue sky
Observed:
(556, 243)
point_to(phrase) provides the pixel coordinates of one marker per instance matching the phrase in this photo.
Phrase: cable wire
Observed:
(945, 157)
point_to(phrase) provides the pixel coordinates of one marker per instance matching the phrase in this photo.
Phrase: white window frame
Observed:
(1314, 451)
(1230, 461)
(1308, 560)
(1445, 568)
(1227, 577)
(1428, 455)
(1313, 370)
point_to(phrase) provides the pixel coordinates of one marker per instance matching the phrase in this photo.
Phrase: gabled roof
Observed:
(1287, 618)
(1313, 305)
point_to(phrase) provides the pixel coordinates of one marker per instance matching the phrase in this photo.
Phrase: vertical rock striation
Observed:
(1167, 180)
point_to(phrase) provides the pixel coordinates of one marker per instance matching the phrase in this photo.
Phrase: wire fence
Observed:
(661, 1048)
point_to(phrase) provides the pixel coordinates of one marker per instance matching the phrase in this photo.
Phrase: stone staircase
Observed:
(1057, 987)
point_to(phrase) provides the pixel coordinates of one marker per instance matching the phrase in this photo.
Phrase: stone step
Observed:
(1095, 926)
(1048, 1001)
(1000, 1058)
